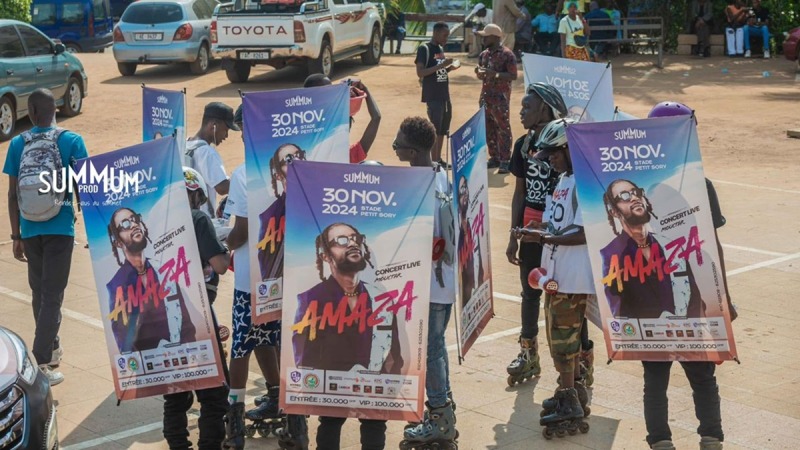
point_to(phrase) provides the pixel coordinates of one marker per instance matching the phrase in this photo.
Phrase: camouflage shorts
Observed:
(564, 316)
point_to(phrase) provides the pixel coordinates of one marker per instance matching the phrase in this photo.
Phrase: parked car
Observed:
(164, 32)
(791, 46)
(30, 60)
(81, 25)
(26, 403)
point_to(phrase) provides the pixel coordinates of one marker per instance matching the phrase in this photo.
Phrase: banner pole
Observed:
(454, 213)
(597, 85)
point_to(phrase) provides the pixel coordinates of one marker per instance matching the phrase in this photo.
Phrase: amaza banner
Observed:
(651, 240)
(358, 277)
(473, 252)
(281, 126)
(157, 319)
(585, 86)
(163, 114)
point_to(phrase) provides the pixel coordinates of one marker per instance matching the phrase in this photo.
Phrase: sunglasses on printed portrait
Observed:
(128, 223)
(301, 155)
(626, 196)
(343, 241)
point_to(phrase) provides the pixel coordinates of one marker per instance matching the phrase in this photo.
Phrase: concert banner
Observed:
(155, 311)
(472, 254)
(163, 114)
(358, 276)
(306, 124)
(585, 86)
(651, 240)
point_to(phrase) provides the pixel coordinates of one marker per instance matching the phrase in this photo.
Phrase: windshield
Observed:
(152, 13)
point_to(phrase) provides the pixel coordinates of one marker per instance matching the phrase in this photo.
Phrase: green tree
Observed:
(16, 9)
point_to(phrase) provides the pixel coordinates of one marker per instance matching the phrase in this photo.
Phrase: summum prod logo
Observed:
(90, 180)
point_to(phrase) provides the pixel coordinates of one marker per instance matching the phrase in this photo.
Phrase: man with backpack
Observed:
(42, 222)
(201, 153)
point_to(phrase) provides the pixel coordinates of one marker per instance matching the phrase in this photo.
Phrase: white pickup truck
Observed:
(292, 32)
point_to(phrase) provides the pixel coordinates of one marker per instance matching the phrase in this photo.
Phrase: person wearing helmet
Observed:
(535, 180)
(248, 338)
(214, 259)
(565, 260)
(699, 373)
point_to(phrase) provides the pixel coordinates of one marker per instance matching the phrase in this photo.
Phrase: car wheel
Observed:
(126, 69)
(200, 65)
(8, 118)
(324, 63)
(72, 47)
(73, 98)
(373, 54)
(239, 72)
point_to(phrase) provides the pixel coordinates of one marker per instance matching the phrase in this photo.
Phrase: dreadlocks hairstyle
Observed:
(113, 232)
(323, 247)
(275, 164)
(458, 186)
(608, 202)
(420, 133)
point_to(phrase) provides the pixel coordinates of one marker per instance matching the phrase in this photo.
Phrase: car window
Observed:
(72, 13)
(338, 2)
(44, 14)
(35, 43)
(10, 44)
(200, 8)
(152, 13)
(99, 8)
(211, 5)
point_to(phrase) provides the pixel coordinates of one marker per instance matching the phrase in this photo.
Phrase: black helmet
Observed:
(238, 119)
(550, 96)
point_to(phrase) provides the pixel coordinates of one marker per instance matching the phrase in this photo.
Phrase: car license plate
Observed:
(148, 36)
(254, 55)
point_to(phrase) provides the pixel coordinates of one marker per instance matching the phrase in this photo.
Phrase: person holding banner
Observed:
(574, 34)
(497, 68)
(201, 153)
(412, 145)
(566, 278)
(147, 326)
(213, 401)
(541, 104)
(247, 338)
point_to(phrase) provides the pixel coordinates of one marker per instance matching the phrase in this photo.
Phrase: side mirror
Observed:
(59, 48)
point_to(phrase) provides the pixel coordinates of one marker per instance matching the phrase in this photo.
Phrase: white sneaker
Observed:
(55, 360)
(53, 376)
(766, 54)
(747, 54)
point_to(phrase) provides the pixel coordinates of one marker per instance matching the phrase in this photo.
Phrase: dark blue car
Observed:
(81, 25)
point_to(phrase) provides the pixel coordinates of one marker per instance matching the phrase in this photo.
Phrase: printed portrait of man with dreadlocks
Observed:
(145, 313)
(355, 333)
(639, 278)
(272, 221)
(468, 246)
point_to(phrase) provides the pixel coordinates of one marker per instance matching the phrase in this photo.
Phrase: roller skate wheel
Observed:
(561, 432)
(264, 431)
(547, 433)
(435, 446)
(572, 431)
(583, 427)
(587, 411)
(511, 381)
(249, 431)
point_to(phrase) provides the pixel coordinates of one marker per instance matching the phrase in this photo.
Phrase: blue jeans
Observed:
(437, 379)
(764, 35)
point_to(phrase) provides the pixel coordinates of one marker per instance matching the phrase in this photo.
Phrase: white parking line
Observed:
(753, 250)
(766, 188)
(769, 262)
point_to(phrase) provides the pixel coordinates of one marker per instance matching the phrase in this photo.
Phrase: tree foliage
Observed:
(16, 9)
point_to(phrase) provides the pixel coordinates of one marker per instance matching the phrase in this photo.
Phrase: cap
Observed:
(478, 7)
(238, 117)
(193, 180)
(220, 111)
(492, 30)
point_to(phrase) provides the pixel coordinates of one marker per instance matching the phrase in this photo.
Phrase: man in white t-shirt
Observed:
(566, 275)
(412, 145)
(263, 339)
(201, 153)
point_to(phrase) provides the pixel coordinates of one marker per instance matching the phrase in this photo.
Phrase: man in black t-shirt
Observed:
(432, 69)
(535, 180)
(757, 22)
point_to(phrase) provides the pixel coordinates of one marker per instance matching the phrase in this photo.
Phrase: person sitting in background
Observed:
(612, 9)
(736, 15)
(524, 32)
(703, 19)
(477, 19)
(395, 27)
(598, 17)
(758, 21)
(546, 37)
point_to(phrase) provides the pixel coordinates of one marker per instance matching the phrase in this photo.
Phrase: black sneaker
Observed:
(493, 163)
(503, 169)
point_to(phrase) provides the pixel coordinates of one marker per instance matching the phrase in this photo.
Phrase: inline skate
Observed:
(294, 436)
(267, 417)
(549, 405)
(526, 365)
(567, 418)
(234, 427)
(437, 432)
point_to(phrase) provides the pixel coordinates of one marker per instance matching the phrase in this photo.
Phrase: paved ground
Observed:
(743, 118)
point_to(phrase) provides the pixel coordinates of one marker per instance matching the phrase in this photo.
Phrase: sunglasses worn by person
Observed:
(128, 223)
(343, 241)
(626, 196)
